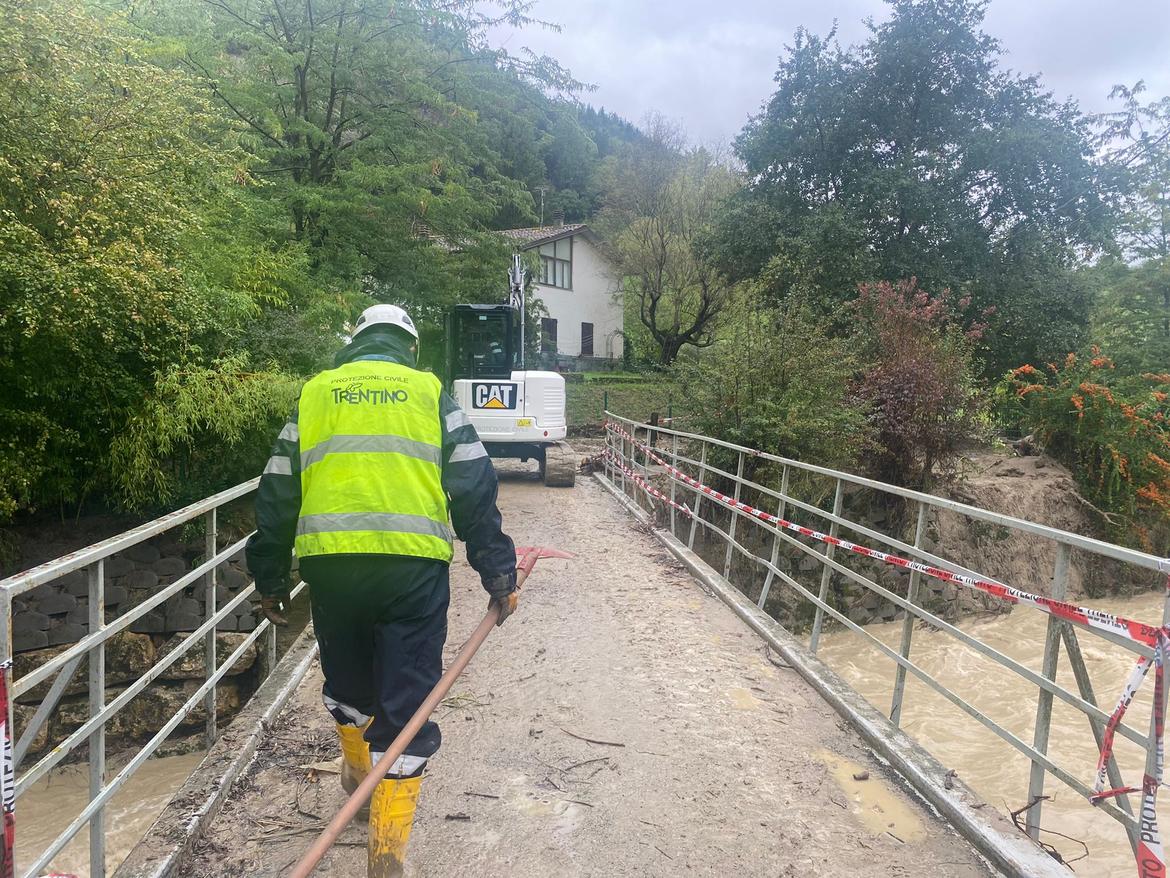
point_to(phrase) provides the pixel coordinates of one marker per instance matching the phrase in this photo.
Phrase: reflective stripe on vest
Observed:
(385, 443)
(371, 463)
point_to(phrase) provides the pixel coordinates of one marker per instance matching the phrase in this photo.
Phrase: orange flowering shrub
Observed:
(1111, 430)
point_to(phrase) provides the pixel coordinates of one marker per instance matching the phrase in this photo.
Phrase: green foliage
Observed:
(200, 428)
(104, 161)
(390, 135)
(631, 396)
(1111, 430)
(916, 155)
(777, 382)
(1140, 136)
(1131, 318)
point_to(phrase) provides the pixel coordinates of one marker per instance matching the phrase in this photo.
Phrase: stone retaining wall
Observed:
(128, 656)
(58, 612)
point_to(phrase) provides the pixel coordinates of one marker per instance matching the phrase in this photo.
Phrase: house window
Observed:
(587, 339)
(548, 335)
(556, 264)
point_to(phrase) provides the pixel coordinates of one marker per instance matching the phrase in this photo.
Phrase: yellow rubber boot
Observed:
(391, 818)
(355, 759)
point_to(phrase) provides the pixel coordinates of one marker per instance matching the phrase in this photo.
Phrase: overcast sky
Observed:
(710, 64)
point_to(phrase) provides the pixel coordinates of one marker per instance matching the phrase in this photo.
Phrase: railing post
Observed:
(826, 574)
(698, 497)
(639, 498)
(6, 649)
(609, 450)
(97, 700)
(673, 481)
(908, 622)
(270, 648)
(734, 519)
(209, 644)
(6, 658)
(1044, 699)
(646, 465)
(780, 512)
(623, 459)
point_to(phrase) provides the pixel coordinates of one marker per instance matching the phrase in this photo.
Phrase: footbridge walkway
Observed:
(644, 713)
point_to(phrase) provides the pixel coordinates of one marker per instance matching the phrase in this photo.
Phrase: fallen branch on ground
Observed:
(590, 740)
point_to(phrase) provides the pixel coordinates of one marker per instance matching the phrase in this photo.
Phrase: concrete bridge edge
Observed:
(162, 851)
(1011, 852)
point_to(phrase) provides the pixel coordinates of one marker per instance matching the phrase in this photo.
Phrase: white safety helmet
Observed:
(385, 315)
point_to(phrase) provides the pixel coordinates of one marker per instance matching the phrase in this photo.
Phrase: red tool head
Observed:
(529, 555)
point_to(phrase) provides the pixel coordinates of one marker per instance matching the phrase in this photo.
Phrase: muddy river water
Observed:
(51, 804)
(995, 770)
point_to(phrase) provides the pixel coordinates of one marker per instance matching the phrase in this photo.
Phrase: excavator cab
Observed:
(482, 341)
(518, 413)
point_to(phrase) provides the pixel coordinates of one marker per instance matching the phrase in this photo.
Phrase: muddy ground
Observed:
(715, 762)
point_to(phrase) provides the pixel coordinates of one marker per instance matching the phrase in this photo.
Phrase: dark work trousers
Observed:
(381, 621)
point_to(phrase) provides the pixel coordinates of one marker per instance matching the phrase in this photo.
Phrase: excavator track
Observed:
(560, 466)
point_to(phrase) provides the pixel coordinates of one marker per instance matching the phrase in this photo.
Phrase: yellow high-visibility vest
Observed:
(371, 463)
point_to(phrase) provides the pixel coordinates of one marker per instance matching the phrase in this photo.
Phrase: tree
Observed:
(1132, 314)
(362, 116)
(107, 165)
(776, 381)
(918, 385)
(1139, 137)
(916, 155)
(660, 204)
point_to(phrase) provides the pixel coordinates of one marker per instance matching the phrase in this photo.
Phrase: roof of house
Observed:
(534, 236)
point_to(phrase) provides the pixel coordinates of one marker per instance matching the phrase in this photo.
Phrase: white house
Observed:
(579, 286)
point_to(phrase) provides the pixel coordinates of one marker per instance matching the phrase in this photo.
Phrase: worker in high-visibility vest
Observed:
(363, 480)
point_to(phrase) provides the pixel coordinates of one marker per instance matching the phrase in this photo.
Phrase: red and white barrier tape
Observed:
(1150, 857)
(645, 485)
(1127, 628)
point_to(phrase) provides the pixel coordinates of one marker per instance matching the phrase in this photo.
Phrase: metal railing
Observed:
(636, 461)
(91, 648)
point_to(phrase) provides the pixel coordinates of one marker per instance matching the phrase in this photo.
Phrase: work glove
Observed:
(505, 594)
(507, 604)
(275, 604)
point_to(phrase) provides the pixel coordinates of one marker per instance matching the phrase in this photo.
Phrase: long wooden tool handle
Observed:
(366, 788)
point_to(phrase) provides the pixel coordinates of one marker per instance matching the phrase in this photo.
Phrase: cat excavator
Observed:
(518, 413)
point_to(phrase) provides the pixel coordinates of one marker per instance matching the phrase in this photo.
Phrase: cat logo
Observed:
(493, 396)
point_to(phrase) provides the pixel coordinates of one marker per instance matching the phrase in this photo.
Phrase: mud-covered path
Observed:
(718, 761)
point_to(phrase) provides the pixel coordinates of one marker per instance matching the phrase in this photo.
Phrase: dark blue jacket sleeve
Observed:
(469, 480)
(278, 505)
